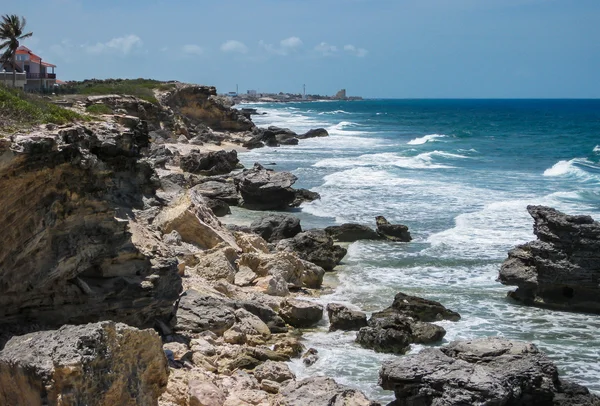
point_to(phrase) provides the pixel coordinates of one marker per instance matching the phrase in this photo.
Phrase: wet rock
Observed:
(388, 334)
(316, 132)
(314, 246)
(420, 309)
(310, 357)
(490, 371)
(304, 195)
(392, 232)
(209, 163)
(299, 313)
(342, 318)
(322, 391)
(275, 227)
(559, 270)
(351, 232)
(263, 189)
(68, 366)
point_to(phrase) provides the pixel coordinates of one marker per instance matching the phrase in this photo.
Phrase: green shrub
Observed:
(141, 88)
(99, 109)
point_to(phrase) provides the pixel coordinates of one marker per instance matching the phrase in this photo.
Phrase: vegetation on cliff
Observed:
(141, 88)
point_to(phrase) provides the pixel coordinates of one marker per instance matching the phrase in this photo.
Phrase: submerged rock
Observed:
(102, 364)
(560, 270)
(486, 371)
(392, 232)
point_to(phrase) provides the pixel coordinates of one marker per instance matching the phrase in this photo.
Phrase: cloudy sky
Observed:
(374, 48)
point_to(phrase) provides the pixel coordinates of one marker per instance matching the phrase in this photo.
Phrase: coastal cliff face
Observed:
(561, 269)
(75, 246)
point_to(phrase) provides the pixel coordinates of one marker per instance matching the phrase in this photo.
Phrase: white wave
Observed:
(425, 139)
(597, 149)
(334, 112)
(425, 160)
(340, 129)
(579, 168)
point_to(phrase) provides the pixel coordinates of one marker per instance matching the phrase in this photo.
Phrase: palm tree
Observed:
(11, 32)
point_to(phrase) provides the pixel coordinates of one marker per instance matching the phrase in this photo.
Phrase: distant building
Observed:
(232, 94)
(32, 72)
(341, 95)
(252, 93)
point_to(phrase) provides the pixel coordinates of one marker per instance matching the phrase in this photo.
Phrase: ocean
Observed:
(460, 174)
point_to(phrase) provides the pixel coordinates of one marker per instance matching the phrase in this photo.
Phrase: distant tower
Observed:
(237, 89)
(304, 92)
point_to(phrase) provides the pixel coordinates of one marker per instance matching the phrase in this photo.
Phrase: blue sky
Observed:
(374, 48)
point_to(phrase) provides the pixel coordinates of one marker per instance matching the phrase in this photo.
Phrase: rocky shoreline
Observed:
(114, 259)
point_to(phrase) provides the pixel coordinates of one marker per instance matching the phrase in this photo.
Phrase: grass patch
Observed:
(99, 109)
(20, 108)
(141, 88)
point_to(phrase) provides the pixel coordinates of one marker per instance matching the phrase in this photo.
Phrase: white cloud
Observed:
(285, 47)
(235, 47)
(325, 49)
(359, 52)
(122, 45)
(192, 49)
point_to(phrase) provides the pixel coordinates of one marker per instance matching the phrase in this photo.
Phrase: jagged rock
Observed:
(293, 271)
(351, 232)
(234, 228)
(388, 334)
(69, 367)
(218, 189)
(254, 142)
(209, 163)
(80, 250)
(204, 393)
(299, 313)
(217, 263)
(342, 318)
(199, 312)
(245, 276)
(316, 132)
(559, 270)
(218, 207)
(275, 227)
(420, 309)
(201, 105)
(314, 246)
(487, 371)
(250, 324)
(322, 391)
(132, 106)
(274, 371)
(289, 346)
(273, 285)
(392, 232)
(304, 195)
(263, 189)
(266, 314)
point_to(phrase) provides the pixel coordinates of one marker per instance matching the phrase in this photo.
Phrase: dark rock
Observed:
(322, 391)
(275, 323)
(199, 312)
(210, 163)
(391, 334)
(560, 270)
(263, 189)
(304, 195)
(219, 207)
(275, 227)
(392, 232)
(254, 142)
(342, 318)
(220, 189)
(310, 357)
(314, 246)
(317, 132)
(421, 309)
(284, 140)
(351, 232)
(70, 366)
(486, 371)
(299, 313)
(237, 228)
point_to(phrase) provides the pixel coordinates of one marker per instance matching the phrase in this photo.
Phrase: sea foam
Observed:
(579, 168)
(426, 139)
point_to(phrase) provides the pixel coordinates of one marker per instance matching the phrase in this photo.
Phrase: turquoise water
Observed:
(460, 174)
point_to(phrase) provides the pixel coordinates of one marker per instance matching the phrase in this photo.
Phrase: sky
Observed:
(373, 48)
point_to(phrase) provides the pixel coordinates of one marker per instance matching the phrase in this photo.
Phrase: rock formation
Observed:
(351, 232)
(561, 269)
(322, 391)
(392, 232)
(314, 246)
(275, 227)
(102, 364)
(343, 318)
(487, 371)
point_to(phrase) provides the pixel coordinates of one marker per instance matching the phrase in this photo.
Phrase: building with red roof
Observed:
(39, 74)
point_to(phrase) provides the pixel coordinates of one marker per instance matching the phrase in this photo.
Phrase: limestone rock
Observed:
(275, 227)
(209, 163)
(300, 313)
(217, 263)
(273, 371)
(218, 189)
(314, 246)
(490, 371)
(263, 189)
(351, 232)
(559, 270)
(69, 367)
(204, 393)
(322, 391)
(392, 232)
(342, 318)
(199, 312)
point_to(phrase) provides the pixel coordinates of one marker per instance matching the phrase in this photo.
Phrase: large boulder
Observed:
(199, 312)
(264, 189)
(218, 189)
(486, 371)
(421, 309)
(392, 232)
(76, 246)
(315, 132)
(275, 227)
(315, 246)
(560, 270)
(274, 371)
(343, 318)
(300, 313)
(100, 364)
(351, 232)
(322, 391)
(209, 163)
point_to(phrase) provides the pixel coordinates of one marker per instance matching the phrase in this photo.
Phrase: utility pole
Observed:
(304, 92)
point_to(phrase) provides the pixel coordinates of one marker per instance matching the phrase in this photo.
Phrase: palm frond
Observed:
(29, 34)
